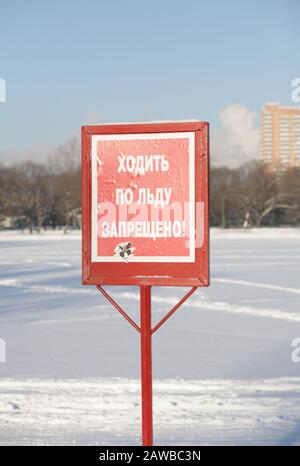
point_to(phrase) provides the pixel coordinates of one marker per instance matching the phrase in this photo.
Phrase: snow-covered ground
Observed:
(222, 364)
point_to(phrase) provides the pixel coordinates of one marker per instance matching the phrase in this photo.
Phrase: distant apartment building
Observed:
(280, 136)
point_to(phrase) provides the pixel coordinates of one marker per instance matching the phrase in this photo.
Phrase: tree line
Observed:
(36, 196)
(253, 196)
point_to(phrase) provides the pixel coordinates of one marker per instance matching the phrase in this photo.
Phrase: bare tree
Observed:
(289, 185)
(66, 158)
(260, 195)
(27, 193)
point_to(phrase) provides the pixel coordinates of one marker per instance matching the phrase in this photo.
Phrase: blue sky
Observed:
(67, 63)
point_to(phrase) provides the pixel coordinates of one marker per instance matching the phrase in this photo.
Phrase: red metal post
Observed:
(146, 351)
(146, 365)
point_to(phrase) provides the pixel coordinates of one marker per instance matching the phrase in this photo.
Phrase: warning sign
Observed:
(140, 199)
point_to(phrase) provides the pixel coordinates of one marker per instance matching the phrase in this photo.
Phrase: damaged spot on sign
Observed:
(124, 250)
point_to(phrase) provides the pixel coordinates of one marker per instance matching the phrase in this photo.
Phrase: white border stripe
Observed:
(121, 137)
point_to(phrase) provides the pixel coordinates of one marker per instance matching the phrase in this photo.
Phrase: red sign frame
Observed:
(148, 273)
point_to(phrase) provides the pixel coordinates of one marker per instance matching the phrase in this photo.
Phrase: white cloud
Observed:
(237, 140)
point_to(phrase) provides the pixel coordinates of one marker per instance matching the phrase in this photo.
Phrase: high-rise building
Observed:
(280, 136)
